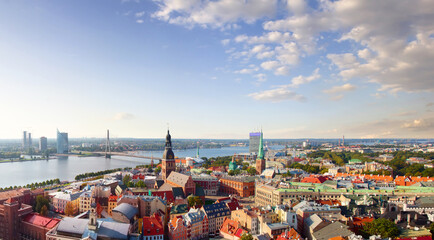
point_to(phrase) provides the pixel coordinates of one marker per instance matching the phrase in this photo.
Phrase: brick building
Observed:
(241, 186)
(11, 214)
(210, 184)
(34, 226)
(183, 181)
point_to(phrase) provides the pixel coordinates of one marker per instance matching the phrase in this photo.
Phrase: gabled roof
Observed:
(178, 178)
(152, 226)
(230, 226)
(216, 210)
(335, 229)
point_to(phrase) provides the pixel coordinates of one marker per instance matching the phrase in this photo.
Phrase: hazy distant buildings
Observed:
(29, 140)
(254, 142)
(42, 144)
(62, 142)
(24, 139)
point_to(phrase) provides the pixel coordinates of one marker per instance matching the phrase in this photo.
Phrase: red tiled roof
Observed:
(152, 224)
(234, 205)
(291, 234)
(113, 198)
(230, 226)
(362, 220)
(314, 179)
(330, 202)
(164, 194)
(38, 220)
(240, 232)
(337, 238)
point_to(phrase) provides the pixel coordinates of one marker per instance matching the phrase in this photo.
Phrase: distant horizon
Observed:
(111, 138)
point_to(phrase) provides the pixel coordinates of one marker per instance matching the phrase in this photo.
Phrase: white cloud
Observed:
(261, 77)
(343, 61)
(123, 116)
(250, 70)
(340, 89)
(216, 14)
(283, 92)
(279, 94)
(139, 21)
(420, 125)
(393, 43)
(299, 80)
(140, 14)
(270, 65)
(225, 42)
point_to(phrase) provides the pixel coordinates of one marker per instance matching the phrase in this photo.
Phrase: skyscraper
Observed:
(29, 141)
(24, 139)
(254, 142)
(62, 142)
(42, 144)
(260, 159)
(168, 161)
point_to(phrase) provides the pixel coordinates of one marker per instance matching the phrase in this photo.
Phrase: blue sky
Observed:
(217, 69)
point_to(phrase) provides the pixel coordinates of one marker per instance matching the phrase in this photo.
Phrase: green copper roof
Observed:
(261, 147)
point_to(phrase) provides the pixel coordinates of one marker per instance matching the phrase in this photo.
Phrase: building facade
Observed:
(62, 142)
(197, 224)
(248, 220)
(210, 184)
(254, 142)
(238, 185)
(43, 144)
(177, 229)
(216, 213)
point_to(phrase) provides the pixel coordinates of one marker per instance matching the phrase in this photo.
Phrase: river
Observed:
(66, 168)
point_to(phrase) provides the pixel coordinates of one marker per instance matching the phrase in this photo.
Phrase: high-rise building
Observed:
(168, 161)
(254, 142)
(29, 140)
(24, 139)
(42, 144)
(62, 142)
(260, 159)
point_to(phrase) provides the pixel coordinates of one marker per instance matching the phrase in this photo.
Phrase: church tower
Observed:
(260, 160)
(168, 161)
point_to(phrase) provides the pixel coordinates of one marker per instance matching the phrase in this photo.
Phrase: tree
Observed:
(383, 227)
(246, 236)
(44, 211)
(126, 179)
(40, 202)
(157, 170)
(69, 209)
(194, 201)
(251, 171)
(141, 184)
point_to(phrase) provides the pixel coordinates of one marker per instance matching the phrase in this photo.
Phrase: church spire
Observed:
(261, 147)
(168, 140)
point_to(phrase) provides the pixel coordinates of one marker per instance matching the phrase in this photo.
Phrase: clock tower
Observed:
(168, 162)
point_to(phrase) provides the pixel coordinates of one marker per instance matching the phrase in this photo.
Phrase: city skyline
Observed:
(316, 69)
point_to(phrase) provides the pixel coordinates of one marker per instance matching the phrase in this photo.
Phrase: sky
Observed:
(217, 69)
